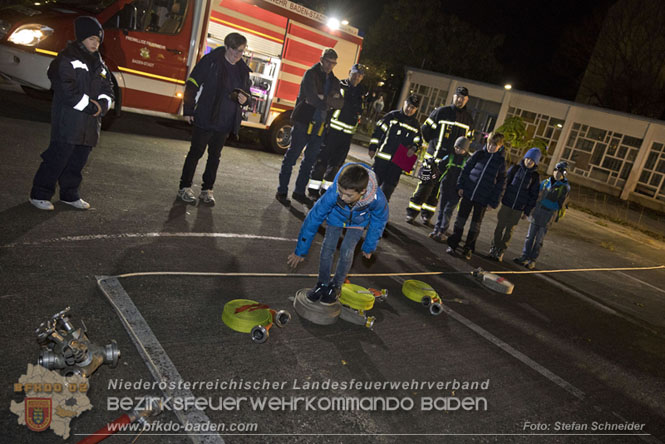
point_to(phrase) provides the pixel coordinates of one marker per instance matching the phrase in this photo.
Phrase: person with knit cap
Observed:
(522, 185)
(82, 94)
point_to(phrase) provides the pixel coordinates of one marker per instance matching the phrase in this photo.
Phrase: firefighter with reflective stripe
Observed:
(444, 125)
(318, 96)
(343, 125)
(82, 94)
(398, 127)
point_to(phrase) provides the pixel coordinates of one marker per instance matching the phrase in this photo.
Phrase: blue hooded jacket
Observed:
(370, 211)
(484, 177)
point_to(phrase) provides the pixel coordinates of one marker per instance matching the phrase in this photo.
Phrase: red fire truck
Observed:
(151, 46)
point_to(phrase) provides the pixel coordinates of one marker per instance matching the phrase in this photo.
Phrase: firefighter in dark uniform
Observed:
(343, 125)
(398, 127)
(444, 125)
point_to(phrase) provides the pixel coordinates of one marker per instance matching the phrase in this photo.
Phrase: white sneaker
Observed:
(42, 204)
(186, 195)
(80, 204)
(207, 197)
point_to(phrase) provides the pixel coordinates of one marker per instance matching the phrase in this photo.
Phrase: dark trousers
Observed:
(465, 208)
(424, 199)
(331, 158)
(62, 164)
(507, 220)
(387, 176)
(300, 137)
(214, 141)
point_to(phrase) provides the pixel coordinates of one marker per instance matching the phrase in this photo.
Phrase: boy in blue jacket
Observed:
(522, 186)
(354, 201)
(480, 184)
(550, 208)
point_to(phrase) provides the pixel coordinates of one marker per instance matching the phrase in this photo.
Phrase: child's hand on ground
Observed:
(293, 260)
(367, 255)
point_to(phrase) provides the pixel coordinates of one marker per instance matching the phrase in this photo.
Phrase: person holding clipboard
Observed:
(394, 144)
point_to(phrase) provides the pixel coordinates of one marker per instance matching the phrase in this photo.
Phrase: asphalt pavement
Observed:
(574, 356)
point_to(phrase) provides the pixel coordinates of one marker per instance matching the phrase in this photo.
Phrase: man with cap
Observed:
(318, 95)
(82, 94)
(397, 129)
(343, 124)
(443, 126)
(551, 207)
(522, 185)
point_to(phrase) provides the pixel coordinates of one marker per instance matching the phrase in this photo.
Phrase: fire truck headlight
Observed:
(30, 35)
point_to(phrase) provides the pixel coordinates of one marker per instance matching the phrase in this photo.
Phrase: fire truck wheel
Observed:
(279, 135)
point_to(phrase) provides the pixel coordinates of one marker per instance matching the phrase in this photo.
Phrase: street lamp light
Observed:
(508, 86)
(333, 23)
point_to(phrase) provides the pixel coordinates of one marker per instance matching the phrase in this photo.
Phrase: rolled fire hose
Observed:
(422, 292)
(247, 316)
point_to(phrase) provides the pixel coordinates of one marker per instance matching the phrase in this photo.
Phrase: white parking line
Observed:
(93, 237)
(154, 355)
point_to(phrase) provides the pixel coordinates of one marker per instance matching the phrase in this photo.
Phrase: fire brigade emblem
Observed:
(38, 413)
(145, 53)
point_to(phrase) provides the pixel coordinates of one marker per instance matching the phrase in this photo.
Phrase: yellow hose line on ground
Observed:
(418, 273)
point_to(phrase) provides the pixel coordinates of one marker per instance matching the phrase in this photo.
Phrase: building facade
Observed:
(612, 152)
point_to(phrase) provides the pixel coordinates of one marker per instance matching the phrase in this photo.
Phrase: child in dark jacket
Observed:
(480, 184)
(353, 202)
(522, 186)
(82, 94)
(550, 208)
(450, 167)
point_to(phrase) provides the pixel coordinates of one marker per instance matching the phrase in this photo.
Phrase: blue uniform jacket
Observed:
(522, 188)
(484, 177)
(370, 211)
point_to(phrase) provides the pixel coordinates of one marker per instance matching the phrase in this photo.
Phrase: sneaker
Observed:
(186, 195)
(207, 197)
(520, 260)
(499, 256)
(450, 250)
(283, 199)
(302, 199)
(426, 220)
(80, 204)
(436, 236)
(410, 219)
(530, 265)
(467, 254)
(42, 204)
(330, 295)
(315, 293)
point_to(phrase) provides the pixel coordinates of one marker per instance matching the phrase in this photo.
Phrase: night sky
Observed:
(530, 55)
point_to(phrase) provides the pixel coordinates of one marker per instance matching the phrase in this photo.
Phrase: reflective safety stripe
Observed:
(428, 156)
(191, 79)
(384, 127)
(373, 141)
(341, 126)
(310, 128)
(409, 127)
(414, 206)
(325, 184)
(321, 129)
(105, 97)
(443, 124)
(429, 208)
(85, 100)
(314, 184)
(416, 140)
(383, 156)
(430, 122)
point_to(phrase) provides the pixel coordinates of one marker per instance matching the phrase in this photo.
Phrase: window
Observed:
(159, 16)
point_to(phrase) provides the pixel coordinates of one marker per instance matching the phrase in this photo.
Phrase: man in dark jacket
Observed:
(343, 124)
(441, 129)
(319, 93)
(396, 129)
(215, 91)
(480, 184)
(82, 94)
(522, 185)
